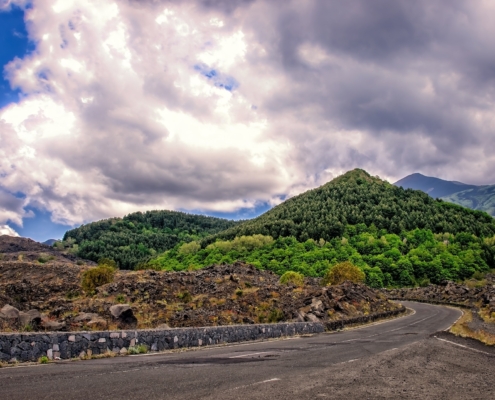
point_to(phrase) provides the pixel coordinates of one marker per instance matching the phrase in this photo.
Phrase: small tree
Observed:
(292, 277)
(341, 272)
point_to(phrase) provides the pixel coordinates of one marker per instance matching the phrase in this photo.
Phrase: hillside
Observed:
(219, 295)
(27, 250)
(358, 198)
(480, 198)
(138, 236)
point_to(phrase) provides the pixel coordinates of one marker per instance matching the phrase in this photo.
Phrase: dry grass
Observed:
(471, 283)
(461, 328)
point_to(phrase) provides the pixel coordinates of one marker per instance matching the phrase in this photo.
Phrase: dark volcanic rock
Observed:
(124, 315)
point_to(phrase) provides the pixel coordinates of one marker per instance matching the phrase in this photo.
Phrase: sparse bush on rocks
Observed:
(97, 276)
(292, 277)
(138, 349)
(344, 271)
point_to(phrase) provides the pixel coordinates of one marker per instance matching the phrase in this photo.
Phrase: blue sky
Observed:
(14, 42)
(225, 107)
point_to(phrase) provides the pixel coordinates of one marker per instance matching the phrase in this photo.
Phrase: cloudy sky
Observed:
(226, 107)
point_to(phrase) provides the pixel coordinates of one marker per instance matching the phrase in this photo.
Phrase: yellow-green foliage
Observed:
(97, 276)
(241, 244)
(189, 248)
(344, 271)
(292, 277)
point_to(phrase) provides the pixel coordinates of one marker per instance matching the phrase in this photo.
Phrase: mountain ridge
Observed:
(475, 197)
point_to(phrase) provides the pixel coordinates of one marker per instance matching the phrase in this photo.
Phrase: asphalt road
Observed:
(292, 368)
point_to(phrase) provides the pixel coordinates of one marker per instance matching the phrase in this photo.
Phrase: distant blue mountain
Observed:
(50, 242)
(435, 187)
(470, 196)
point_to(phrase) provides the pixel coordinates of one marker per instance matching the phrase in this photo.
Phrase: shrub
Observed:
(43, 360)
(138, 349)
(341, 272)
(423, 282)
(292, 277)
(276, 315)
(97, 276)
(120, 298)
(43, 258)
(239, 292)
(185, 296)
(478, 276)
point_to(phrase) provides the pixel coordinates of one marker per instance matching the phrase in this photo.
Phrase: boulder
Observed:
(317, 305)
(123, 314)
(300, 316)
(163, 326)
(312, 318)
(84, 317)
(31, 317)
(53, 326)
(97, 324)
(9, 312)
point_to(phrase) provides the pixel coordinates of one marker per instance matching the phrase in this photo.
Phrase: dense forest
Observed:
(358, 198)
(137, 237)
(411, 258)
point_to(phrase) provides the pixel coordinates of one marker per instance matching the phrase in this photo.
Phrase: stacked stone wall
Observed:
(60, 345)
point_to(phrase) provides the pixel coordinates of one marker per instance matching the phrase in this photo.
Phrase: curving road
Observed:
(293, 368)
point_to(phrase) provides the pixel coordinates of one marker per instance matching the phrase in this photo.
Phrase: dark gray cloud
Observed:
(407, 74)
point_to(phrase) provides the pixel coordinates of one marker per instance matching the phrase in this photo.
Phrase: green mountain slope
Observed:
(480, 198)
(358, 198)
(138, 236)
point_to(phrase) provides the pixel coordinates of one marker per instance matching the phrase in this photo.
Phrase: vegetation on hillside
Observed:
(137, 237)
(387, 259)
(358, 198)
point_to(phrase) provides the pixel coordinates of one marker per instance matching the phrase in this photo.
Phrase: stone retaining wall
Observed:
(60, 345)
(31, 346)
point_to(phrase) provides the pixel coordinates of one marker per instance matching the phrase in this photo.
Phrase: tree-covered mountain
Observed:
(471, 196)
(138, 236)
(358, 198)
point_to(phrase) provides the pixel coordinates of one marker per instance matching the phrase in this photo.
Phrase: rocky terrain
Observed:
(218, 295)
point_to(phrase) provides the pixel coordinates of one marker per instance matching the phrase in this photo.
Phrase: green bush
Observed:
(43, 360)
(341, 272)
(43, 258)
(97, 276)
(276, 315)
(292, 277)
(138, 349)
(120, 298)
